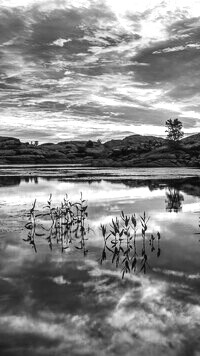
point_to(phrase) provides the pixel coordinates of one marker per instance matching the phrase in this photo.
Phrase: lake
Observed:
(71, 296)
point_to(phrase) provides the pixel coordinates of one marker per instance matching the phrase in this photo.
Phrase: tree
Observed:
(89, 144)
(174, 130)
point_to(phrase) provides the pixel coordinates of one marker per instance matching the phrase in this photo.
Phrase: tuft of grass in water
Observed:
(67, 224)
(120, 242)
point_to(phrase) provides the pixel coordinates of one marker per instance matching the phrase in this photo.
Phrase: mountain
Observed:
(192, 140)
(132, 151)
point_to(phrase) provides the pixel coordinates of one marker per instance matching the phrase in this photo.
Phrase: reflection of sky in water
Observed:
(65, 304)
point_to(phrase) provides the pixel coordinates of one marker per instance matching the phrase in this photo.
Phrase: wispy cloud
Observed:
(129, 65)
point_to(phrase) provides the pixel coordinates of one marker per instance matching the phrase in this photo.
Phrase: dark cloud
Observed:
(13, 80)
(8, 87)
(12, 24)
(172, 63)
(110, 42)
(185, 28)
(188, 121)
(66, 24)
(167, 66)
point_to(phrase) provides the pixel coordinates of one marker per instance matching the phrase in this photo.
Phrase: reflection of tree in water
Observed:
(174, 200)
(31, 179)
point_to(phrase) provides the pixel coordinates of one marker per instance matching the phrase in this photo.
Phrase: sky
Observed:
(98, 69)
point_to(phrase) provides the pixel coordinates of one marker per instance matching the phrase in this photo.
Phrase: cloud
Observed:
(60, 280)
(88, 57)
(12, 24)
(61, 42)
(178, 48)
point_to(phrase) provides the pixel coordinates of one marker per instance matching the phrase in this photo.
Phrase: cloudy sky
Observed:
(80, 69)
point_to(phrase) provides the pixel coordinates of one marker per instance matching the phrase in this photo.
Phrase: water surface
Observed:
(65, 303)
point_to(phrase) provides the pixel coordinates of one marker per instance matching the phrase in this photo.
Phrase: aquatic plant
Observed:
(31, 225)
(67, 224)
(120, 241)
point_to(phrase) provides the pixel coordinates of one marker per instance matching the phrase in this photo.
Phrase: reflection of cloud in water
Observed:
(96, 313)
(69, 332)
(60, 280)
(65, 304)
(158, 321)
(146, 316)
(178, 273)
(17, 255)
(96, 192)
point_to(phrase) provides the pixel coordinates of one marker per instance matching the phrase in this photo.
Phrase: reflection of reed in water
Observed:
(174, 200)
(120, 243)
(67, 223)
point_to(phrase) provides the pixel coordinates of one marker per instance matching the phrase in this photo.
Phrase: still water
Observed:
(65, 302)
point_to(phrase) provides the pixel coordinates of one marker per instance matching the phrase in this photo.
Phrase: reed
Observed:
(67, 224)
(120, 242)
(126, 240)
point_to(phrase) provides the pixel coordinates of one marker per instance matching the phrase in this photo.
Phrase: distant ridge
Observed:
(191, 139)
(131, 151)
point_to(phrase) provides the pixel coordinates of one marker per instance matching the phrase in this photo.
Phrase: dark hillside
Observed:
(132, 151)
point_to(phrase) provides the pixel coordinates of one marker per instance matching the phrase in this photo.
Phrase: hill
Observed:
(132, 151)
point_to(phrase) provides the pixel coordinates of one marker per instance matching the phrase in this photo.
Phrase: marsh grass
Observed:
(63, 224)
(120, 242)
(126, 240)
